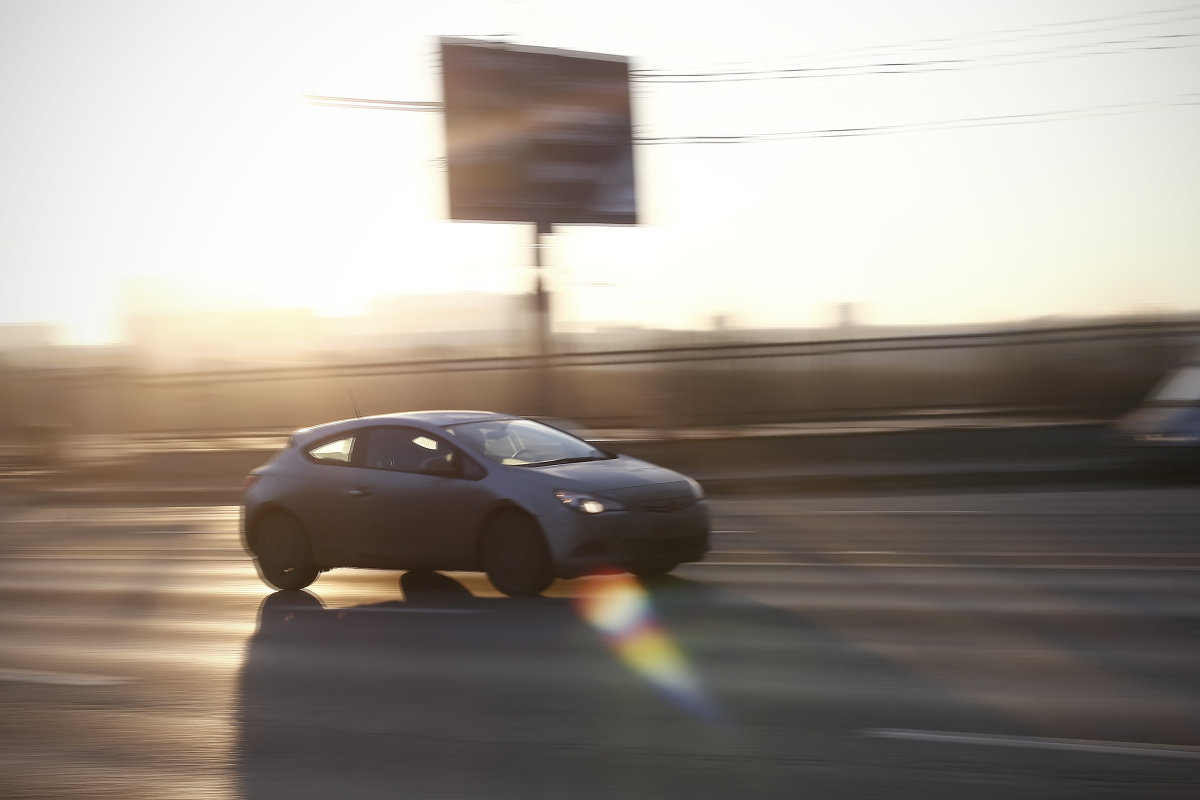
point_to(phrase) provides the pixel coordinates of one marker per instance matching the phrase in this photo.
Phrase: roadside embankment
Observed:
(839, 457)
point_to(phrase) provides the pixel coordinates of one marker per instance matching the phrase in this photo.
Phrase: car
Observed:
(522, 501)
(1164, 431)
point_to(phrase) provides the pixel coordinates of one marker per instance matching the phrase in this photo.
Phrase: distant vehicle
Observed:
(1166, 427)
(522, 501)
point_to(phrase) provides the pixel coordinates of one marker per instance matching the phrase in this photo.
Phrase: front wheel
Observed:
(515, 556)
(285, 558)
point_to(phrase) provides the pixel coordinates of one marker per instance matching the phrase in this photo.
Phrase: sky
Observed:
(940, 161)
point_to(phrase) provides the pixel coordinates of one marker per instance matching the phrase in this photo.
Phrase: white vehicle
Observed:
(1167, 424)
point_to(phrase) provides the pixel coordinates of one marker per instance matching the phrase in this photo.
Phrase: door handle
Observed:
(358, 493)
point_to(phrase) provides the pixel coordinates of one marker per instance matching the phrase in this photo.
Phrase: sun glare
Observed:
(620, 609)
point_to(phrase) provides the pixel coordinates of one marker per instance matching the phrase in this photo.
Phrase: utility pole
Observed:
(544, 401)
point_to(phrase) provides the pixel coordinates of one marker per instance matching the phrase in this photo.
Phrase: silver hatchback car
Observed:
(519, 500)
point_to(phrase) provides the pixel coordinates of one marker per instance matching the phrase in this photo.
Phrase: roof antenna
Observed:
(353, 403)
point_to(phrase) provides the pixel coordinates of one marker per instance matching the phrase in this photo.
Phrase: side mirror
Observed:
(441, 466)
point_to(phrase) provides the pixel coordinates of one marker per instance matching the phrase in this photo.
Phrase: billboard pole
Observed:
(541, 309)
(537, 135)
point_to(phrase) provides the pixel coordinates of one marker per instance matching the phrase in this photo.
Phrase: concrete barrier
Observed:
(809, 451)
(738, 461)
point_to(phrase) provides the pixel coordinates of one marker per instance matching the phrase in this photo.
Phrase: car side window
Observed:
(402, 449)
(339, 451)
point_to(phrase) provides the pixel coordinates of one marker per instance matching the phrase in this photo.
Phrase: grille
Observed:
(638, 496)
(667, 505)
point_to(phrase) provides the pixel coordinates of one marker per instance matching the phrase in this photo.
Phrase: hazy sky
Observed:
(1025, 158)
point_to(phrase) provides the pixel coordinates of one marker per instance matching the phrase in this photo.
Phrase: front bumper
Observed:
(628, 540)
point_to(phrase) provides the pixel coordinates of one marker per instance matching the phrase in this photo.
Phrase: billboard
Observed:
(536, 135)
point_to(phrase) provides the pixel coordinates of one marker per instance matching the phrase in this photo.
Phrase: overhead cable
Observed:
(922, 127)
(359, 102)
(1171, 41)
(1154, 17)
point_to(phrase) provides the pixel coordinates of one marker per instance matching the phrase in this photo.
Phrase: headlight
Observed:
(587, 503)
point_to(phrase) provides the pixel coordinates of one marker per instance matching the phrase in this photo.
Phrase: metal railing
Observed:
(1092, 369)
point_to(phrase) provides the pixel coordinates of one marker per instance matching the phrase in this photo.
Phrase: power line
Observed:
(825, 133)
(384, 105)
(1154, 17)
(1170, 41)
(1156, 41)
(923, 127)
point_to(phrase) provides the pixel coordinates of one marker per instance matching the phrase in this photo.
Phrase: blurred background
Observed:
(891, 280)
(232, 219)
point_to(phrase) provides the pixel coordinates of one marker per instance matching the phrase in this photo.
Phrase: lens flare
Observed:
(621, 610)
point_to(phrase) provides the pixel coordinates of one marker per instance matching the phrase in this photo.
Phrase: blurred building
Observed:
(164, 332)
(198, 340)
(476, 321)
(28, 346)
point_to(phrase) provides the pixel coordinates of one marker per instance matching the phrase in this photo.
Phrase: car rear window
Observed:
(339, 451)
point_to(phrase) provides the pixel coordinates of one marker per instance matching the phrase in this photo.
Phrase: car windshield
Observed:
(523, 442)
(1182, 387)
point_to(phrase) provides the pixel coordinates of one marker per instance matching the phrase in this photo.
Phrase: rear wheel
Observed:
(515, 556)
(285, 558)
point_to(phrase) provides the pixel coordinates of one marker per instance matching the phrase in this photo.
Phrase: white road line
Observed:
(81, 550)
(1034, 742)
(919, 512)
(59, 678)
(848, 565)
(93, 557)
(933, 512)
(954, 554)
(239, 553)
(387, 610)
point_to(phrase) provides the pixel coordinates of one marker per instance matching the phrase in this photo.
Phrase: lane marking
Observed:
(59, 678)
(936, 512)
(848, 565)
(997, 563)
(92, 557)
(395, 610)
(954, 554)
(920, 512)
(1039, 743)
(866, 512)
(119, 549)
(84, 554)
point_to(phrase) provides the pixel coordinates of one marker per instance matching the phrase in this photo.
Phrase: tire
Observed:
(515, 556)
(284, 555)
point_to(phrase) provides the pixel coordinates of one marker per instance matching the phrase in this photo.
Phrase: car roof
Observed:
(439, 419)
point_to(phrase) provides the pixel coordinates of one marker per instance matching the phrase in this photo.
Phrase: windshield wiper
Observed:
(571, 460)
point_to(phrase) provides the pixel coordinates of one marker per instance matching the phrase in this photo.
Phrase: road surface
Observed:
(1042, 644)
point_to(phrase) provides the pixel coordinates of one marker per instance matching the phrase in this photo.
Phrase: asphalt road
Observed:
(940, 646)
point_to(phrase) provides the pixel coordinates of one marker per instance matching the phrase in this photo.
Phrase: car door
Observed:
(324, 498)
(399, 511)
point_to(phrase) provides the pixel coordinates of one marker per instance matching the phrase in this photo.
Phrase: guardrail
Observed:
(1093, 370)
(738, 351)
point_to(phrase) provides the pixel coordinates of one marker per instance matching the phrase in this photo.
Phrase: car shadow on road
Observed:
(634, 689)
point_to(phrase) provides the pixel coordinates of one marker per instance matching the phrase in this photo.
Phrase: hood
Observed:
(610, 476)
(1160, 420)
